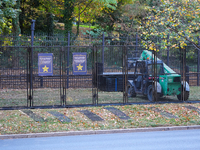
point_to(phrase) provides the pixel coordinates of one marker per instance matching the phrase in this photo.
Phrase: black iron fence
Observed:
(68, 40)
(109, 67)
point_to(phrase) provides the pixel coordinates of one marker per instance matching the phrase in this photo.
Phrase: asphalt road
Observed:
(158, 140)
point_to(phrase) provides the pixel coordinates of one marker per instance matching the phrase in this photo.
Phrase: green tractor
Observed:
(166, 82)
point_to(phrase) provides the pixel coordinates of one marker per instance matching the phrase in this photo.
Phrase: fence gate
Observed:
(78, 79)
(46, 84)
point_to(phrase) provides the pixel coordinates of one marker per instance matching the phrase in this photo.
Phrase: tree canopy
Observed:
(174, 22)
(85, 10)
(43, 11)
(7, 13)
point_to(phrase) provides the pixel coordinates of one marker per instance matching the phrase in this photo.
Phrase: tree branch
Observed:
(85, 6)
(186, 38)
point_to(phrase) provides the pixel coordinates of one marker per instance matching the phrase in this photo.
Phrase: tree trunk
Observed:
(16, 28)
(68, 15)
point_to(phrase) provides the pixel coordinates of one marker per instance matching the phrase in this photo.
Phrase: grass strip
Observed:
(18, 122)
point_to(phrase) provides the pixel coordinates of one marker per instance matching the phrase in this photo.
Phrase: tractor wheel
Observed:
(186, 96)
(131, 90)
(150, 91)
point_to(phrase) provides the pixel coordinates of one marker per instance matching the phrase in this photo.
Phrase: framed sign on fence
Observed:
(45, 64)
(79, 63)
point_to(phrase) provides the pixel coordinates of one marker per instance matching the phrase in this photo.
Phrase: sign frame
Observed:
(45, 64)
(80, 63)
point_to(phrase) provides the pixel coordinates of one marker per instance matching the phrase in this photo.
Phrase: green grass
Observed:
(15, 121)
(87, 26)
(50, 96)
(13, 97)
(81, 25)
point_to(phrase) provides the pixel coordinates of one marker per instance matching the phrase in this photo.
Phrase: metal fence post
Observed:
(94, 77)
(198, 61)
(103, 44)
(125, 74)
(31, 64)
(68, 47)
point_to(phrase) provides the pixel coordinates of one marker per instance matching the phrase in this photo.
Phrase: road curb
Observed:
(89, 132)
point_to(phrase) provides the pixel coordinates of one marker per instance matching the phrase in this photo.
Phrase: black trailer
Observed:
(112, 81)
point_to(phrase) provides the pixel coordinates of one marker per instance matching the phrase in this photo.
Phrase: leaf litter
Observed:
(16, 122)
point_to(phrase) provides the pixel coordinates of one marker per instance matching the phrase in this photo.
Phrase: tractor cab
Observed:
(144, 74)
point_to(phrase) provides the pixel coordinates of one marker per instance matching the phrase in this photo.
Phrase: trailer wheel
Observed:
(131, 90)
(150, 93)
(186, 96)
